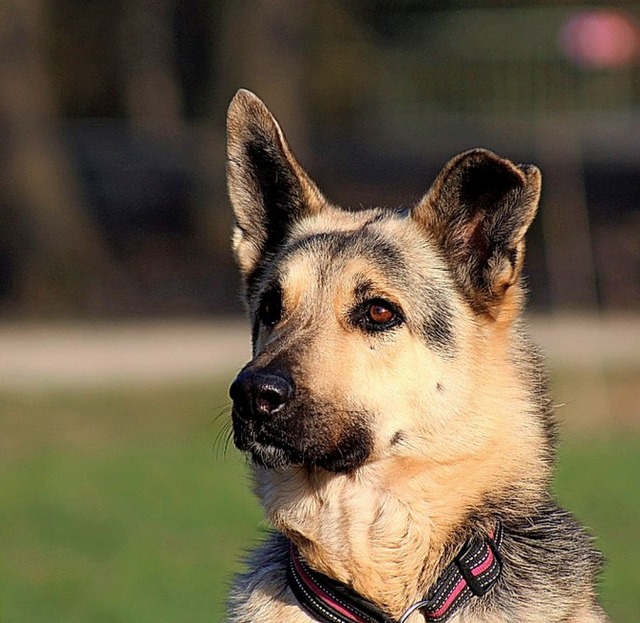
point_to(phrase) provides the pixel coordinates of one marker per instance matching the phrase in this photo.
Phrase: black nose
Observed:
(260, 394)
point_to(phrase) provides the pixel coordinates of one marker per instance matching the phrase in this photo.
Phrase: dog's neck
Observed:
(349, 528)
(388, 539)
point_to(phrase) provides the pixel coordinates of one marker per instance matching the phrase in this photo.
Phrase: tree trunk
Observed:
(60, 260)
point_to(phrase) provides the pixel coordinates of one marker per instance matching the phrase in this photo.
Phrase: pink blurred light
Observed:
(603, 39)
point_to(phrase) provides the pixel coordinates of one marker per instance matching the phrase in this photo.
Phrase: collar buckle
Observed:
(480, 576)
(473, 573)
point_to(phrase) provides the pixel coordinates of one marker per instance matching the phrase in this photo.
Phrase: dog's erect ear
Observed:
(478, 211)
(269, 190)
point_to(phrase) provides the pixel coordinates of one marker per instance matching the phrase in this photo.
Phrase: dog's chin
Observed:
(271, 456)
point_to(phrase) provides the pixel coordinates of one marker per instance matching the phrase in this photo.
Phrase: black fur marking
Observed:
(353, 451)
(335, 243)
(255, 330)
(279, 187)
(364, 289)
(547, 549)
(360, 243)
(256, 275)
(438, 326)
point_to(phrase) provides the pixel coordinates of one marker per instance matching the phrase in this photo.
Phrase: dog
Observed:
(396, 414)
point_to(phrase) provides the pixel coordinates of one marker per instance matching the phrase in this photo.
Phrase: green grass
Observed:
(119, 506)
(599, 480)
(115, 506)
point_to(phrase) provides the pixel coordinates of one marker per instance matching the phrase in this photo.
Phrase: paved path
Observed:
(589, 340)
(49, 355)
(103, 354)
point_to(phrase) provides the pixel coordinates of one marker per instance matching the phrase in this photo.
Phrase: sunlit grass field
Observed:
(124, 506)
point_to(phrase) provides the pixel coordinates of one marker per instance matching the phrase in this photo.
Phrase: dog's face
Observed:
(367, 324)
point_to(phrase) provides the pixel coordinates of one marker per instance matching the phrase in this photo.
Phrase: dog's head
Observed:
(374, 331)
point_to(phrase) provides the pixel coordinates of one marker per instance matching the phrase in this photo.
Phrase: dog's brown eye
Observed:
(376, 315)
(380, 314)
(270, 310)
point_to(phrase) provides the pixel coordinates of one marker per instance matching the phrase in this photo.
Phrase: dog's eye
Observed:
(378, 313)
(270, 310)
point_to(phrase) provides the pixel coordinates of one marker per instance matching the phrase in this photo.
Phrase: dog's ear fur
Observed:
(269, 190)
(478, 211)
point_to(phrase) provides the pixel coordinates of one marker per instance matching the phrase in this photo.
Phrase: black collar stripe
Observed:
(473, 573)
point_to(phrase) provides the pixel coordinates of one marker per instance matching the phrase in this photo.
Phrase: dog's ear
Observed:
(269, 190)
(478, 211)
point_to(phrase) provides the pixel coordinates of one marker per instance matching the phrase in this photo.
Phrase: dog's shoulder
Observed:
(550, 564)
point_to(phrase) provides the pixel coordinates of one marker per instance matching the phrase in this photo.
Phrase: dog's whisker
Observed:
(222, 439)
(223, 410)
(227, 440)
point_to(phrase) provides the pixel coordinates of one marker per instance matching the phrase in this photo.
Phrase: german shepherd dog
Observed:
(396, 413)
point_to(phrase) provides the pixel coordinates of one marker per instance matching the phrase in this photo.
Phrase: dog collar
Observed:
(473, 573)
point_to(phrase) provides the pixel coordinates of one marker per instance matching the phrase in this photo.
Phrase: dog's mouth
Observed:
(285, 445)
(265, 449)
(272, 456)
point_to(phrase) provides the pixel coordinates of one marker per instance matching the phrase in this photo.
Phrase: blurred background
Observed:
(120, 324)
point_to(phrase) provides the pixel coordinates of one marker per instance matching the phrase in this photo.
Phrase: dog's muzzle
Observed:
(281, 425)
